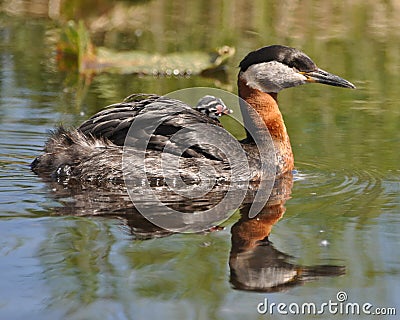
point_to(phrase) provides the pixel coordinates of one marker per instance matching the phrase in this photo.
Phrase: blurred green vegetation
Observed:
(76, 51)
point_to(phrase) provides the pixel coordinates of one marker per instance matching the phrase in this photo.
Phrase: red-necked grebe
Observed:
(93, 151)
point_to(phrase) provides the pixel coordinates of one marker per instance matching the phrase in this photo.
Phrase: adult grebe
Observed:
(93, 152)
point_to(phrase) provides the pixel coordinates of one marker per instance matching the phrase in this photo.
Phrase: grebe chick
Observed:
(93, 151)
(212, 107)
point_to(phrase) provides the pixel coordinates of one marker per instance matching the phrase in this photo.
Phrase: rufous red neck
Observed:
(266, 107)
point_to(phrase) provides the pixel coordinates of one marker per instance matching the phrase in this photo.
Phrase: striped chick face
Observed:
(212, 106)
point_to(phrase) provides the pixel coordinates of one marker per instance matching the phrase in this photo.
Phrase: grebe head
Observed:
(273, 68)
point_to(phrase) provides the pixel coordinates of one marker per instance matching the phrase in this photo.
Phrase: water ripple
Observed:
(324, 181)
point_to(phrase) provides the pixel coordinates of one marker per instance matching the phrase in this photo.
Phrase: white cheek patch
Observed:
(272, 76)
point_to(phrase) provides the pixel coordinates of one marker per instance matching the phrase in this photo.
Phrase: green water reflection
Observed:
(344, 206)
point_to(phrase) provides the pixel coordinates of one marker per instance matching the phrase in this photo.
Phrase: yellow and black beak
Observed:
(321, 76)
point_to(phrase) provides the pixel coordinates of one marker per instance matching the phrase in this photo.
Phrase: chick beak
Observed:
(321, 76)
(222, 110)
